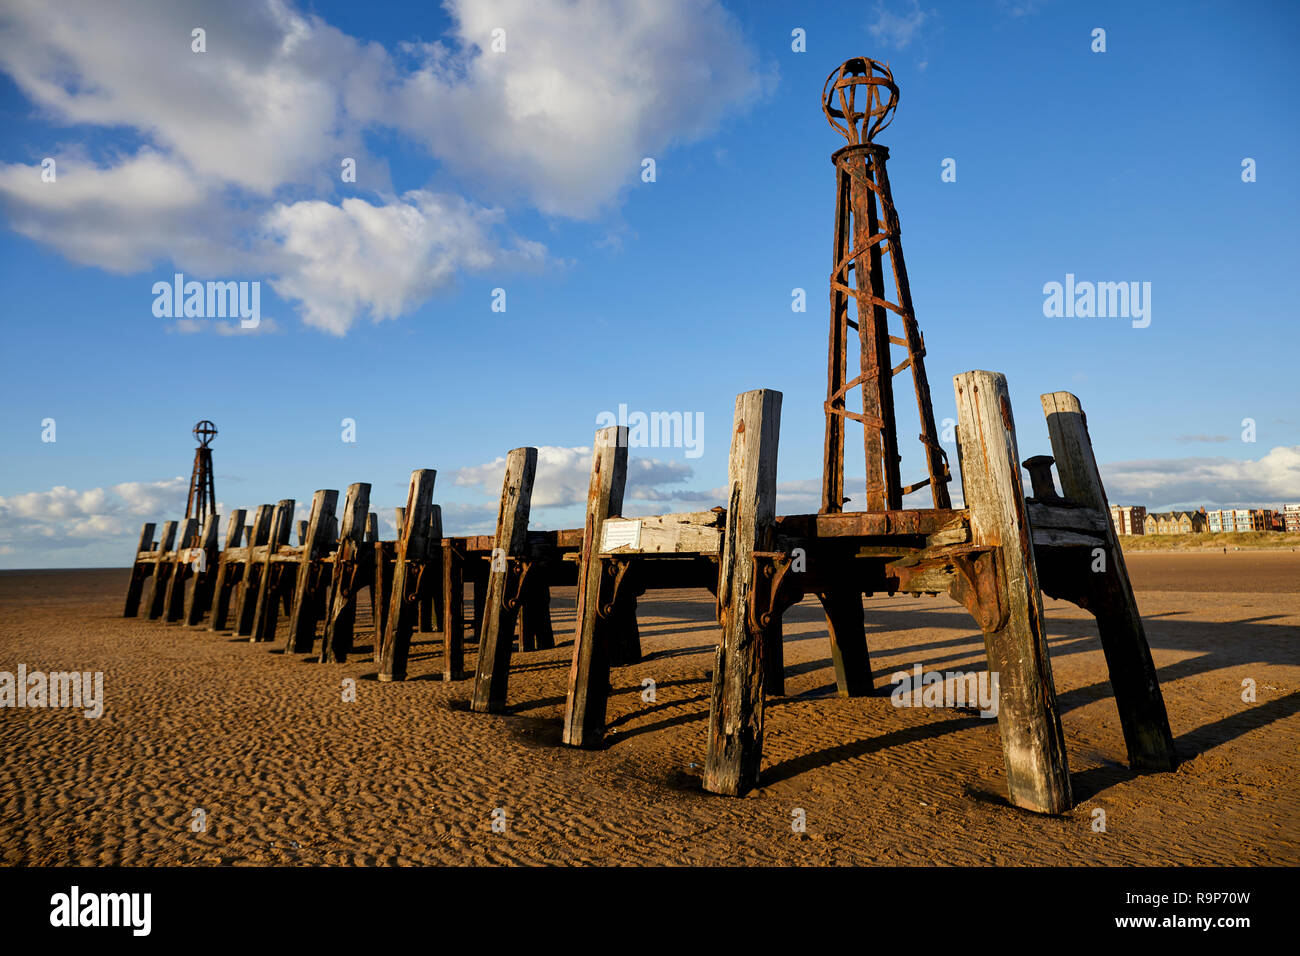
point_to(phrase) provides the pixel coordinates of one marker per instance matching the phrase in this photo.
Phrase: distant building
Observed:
(1128, 519)
(1242, 519)
(1291, 517)
(1175, 522)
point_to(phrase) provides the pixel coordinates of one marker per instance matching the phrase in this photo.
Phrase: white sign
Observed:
(618, 533)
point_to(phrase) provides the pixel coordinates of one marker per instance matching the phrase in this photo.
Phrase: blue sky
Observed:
(522, 170)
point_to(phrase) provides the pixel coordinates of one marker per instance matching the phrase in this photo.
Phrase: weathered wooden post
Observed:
(412, 557)
(302, 532)
(349, 570)
(588, 693)
(385, 553)
(378, 598)
(320, 587)
(493, 674)
(478, 575)
(1133, 678)
(199, 598)
(431, 582)
(1038, 777)
(735, 741)
(535, 630)
(267, 609)
(141, 567)
(453, 608)
(306, 604)
(174, 606)
(161, 572)
(843, 606)
(222, 585)
(773, 645)
(258, 534)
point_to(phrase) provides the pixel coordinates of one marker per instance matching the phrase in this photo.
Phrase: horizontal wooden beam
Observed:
(1067, 518)
(853, 524)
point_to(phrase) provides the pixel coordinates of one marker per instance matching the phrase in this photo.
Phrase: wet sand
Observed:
(286, 772)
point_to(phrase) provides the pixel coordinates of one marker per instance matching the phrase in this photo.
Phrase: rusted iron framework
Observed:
(859, 99)
(202, 500)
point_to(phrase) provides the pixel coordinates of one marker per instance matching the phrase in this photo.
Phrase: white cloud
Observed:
(236, 137)
(1171, 482)
(64, 518)
(121, 218)
(265, 104)
(267, 326)
(563, 475)
(898, 29)
(584, 91)
(342, 261)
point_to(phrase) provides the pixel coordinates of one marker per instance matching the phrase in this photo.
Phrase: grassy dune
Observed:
(1207, 541)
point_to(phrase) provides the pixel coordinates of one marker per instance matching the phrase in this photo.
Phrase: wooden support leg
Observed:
(1123, 638)
(453, 613)
(161, 572)
(627, 635)
(542, 619)
(174, 604)
(523, 630)
(537, 613)
(341, 602)
(735, 741)
(431, 583)
(228, 574)
(774, 659)
(267, 608)
(381, 591)
(1033, 745)
(479, 582)
(843, 607)
(305, 608)
(258, 535)
(246, 601)
(426, 611)
(412, 555)
(588, 694)
(199, 600)
(493, 674)
(139, 570)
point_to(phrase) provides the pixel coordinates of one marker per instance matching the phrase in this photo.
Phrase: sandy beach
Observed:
(286, 772)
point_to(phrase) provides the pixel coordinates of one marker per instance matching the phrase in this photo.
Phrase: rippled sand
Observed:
(287, 772)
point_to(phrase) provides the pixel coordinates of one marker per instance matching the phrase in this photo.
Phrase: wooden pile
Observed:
(996, 556)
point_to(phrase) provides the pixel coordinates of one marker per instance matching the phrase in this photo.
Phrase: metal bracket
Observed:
(517, 570)
(613, 585)
(978, 587)
(973, 575)
(774, 588)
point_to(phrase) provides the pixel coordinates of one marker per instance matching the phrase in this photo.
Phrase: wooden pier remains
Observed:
(996, 555)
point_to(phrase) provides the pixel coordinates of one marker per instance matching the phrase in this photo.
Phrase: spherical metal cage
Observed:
(840, 92)
(205, 431)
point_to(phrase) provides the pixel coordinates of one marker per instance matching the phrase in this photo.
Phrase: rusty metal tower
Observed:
(866, 233)
(203, 494)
